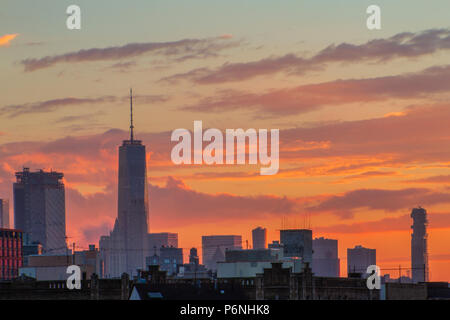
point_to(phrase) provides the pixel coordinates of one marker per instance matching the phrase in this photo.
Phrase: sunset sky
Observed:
(364, 116)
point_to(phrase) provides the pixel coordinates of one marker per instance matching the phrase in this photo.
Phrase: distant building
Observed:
(162, 239)
(193, 270)
(169, 260)
(359, 258)
(10, 253)
(54, 267)
(214, 247)
(275, 245)
(193, 257)
(40, 208)
(297, 243)
(4, 214)
(249, 263)
(126, 247)
(419, 246)
(325, 262)
(259, 237)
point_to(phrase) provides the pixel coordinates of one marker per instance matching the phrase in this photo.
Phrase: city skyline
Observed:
(363, 117)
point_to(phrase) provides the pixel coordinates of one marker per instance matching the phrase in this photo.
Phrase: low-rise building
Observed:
(10, 253)
(248, 263)
(54, 267)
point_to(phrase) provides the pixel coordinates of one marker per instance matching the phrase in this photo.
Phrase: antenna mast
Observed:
(131, 116)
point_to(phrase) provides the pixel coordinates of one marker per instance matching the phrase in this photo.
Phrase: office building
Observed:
(40, 208)
(169, 259)
(125, 249)
(325, 262)
(214, 247)
(297, 243)
(10, 253)
(4, 214)
(419, 246)
(193, 257)
(259, 237)
(359, 258)
(162, 239)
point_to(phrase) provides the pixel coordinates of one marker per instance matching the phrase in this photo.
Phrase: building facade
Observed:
(54, 267)
(248, 263)
(259, 237)
(4, 214)
(325, 262)
(10, 253)
(214, 247)
(193, 257)
(419, 246)
(359, 258)
(40, 208)
(297, 243)
(162, 239)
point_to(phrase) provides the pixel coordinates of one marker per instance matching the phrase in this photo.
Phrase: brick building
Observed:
(10, 253)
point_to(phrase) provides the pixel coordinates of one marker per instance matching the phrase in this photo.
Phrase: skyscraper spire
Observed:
(131, 115)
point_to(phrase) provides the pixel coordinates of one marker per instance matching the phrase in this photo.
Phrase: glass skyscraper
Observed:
(125, 249)
(40, 208)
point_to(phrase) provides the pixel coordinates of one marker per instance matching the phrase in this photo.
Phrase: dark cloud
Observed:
(433, 179)
(13, 111)
(181, 50)
(402, 45)
(306, 98)
(401, 223)
(378, 199)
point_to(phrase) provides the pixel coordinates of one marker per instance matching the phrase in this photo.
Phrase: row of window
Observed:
(13, 253)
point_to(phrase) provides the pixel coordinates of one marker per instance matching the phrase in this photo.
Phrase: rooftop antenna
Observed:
(131, 115)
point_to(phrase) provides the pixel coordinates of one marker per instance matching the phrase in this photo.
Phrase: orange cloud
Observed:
(7, 38)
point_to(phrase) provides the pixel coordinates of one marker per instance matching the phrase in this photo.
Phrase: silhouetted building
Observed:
(10, 253)
(248, 263)
(4, 214)
(325, 262)
(193, 257)
(275, 245)
(40, 208)
(170, 259)
(282, 283)
(297, 243)
(28, 288)
(259, 237)
(359, 258)
(419, 246)
(162, 239)
(214, 247)
(125, 249)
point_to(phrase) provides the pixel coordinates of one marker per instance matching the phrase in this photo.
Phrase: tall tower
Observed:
(132, 216)
(419, 246)
(40, 209)
(259, 237)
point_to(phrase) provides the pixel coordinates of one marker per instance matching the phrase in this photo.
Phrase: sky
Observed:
(363, 115)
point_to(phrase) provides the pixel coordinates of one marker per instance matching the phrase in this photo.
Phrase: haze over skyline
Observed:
(364, 116)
